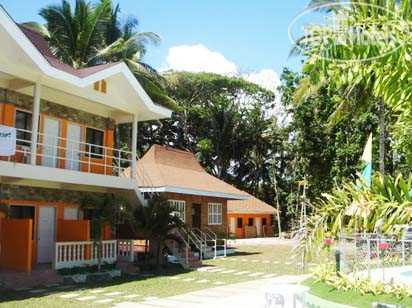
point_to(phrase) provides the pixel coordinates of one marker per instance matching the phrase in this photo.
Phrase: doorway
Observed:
(46, 234)
(196, 215)
(51, 133)
(258, 227)
(232, 225)
(73, 146)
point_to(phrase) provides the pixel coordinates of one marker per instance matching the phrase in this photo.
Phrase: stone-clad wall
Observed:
(56, 110)
(36, 194)
(203, 200)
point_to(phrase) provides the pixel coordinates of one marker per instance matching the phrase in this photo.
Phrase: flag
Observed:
(367, 157)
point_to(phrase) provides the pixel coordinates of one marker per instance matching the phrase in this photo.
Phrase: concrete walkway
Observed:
(240, 295)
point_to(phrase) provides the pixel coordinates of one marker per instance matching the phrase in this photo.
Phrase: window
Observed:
(95, 137)
(180, 208)
(240, 223)
(250, 222)
(22, 212)
(264, 221)
(23, 122)
(215, 213)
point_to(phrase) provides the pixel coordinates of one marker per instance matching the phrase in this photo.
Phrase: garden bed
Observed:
(353, 298)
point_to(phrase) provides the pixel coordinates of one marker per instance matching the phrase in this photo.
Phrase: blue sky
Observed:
(252, 35)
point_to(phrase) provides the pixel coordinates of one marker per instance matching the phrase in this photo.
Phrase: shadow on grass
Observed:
(7, 295)
(244, 253)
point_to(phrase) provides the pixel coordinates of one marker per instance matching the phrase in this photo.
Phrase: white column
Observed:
(35, 123)
(134, 145)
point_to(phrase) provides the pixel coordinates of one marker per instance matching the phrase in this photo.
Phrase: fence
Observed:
(76, 254)
(363, 252)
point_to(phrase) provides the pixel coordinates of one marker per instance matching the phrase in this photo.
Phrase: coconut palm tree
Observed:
(93, 34)
(74, 35)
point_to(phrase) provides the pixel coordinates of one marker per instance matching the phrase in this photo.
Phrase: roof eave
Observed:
(189, 191)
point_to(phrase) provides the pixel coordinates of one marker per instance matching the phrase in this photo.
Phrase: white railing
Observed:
(125, 250)
(72, 154)
(76, 254)
(223, 241)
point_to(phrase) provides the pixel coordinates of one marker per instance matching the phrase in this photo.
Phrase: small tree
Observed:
(155, 221)
(106, 210)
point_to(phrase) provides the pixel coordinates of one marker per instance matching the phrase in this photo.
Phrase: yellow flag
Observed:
(367, 152)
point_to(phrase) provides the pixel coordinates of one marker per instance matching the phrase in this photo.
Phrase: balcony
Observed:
(66, 164)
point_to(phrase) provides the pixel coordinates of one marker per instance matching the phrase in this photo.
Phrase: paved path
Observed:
(240, 295)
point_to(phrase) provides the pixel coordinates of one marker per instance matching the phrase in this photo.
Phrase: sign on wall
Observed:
(7, 141)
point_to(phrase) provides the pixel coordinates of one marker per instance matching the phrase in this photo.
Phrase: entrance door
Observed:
(45, 243)
(258, 226)
(232, 225)
(73, 146)
(50, 142)
(196, 215)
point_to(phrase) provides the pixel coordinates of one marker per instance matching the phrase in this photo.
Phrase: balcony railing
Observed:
(64, 153)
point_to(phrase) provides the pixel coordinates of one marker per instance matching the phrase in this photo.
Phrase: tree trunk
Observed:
(277, 206)
(381, 136)
(99, 254)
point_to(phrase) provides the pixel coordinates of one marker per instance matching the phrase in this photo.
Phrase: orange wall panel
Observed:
(16, 244)
(240, 232)
(73, 230)
(7, 114)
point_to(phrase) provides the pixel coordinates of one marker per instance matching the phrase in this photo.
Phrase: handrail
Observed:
(206, 240)
(224, 245)
(187, 245)
(195, 240)
(110, 159)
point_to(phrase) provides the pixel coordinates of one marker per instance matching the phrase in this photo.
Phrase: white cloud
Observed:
(266, 78)
(198, 58)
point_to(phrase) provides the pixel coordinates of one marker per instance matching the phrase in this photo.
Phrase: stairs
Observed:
(183, 252)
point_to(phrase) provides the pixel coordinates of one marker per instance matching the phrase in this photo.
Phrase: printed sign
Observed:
(7, 141)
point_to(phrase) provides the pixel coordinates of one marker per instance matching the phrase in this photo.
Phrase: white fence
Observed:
(365, 252)
(76, 254)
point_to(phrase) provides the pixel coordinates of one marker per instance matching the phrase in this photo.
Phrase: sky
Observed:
(230, 37)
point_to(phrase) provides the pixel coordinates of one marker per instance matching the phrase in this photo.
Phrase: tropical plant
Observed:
(361, 80)
(156, 221)
(105, 210)
(75, 34)
(93, 34)
(354, 207)
(325, 272)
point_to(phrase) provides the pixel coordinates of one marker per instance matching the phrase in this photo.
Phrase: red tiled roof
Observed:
(43, 47)
(168, 167)
(250, 206)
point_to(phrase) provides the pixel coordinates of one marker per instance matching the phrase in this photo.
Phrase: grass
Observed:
(161, 285)
(353, 298)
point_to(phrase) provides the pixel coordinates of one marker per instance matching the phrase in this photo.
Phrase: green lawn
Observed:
(353, 298)
(269, 260)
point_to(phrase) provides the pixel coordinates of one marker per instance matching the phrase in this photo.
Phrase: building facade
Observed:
(64, 121)
(250, 218)
(200, 199)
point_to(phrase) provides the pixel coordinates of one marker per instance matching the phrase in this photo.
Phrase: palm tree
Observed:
(105, 209)
(354, 207)
(156, 221)
(360, 80)
(93, 34)
(74, 35)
